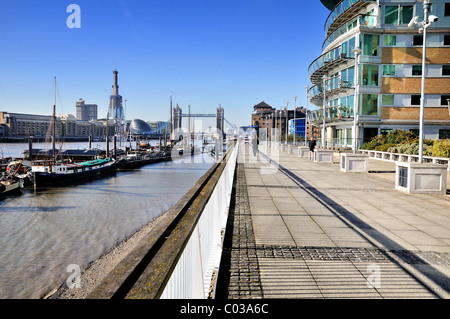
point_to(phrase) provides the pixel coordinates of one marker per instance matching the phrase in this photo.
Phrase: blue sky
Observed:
(207, 52)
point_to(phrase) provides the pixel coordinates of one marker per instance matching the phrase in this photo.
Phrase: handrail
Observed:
(392, 157)
(145, 271)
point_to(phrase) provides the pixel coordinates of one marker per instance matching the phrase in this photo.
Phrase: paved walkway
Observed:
(300, 229)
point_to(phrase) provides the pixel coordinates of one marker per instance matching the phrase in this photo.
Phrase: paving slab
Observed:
(318, 232)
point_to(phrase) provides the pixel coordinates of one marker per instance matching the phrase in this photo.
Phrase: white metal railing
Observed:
(392, 157)
(200, 259)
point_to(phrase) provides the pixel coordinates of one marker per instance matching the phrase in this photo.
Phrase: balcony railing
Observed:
(332, 113)
(343, 12)
(333, 85)
(326, 62)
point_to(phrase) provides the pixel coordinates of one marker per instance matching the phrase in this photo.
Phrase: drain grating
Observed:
(354, 254)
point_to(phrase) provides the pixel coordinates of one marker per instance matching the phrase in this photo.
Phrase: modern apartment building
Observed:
(376, 38)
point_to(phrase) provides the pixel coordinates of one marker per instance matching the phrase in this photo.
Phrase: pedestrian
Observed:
(255, 143)
(312, 145)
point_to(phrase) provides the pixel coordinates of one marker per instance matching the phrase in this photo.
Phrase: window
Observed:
(418, 39)
(444, 99)
(444, 134)
(389, 70)
(390, 40)
(370, 44)
(387, 99)
(446, 39)
(416, 70)
(447, 10)
(398, 14)
(391, 15)
(349, 136)
(415, 99)
(370, 74)
(446, 69)
(369, 104)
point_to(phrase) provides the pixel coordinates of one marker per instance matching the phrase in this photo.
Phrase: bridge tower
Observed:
(220, 118)
(177, 118)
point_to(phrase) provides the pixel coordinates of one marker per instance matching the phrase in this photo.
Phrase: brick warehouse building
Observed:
(388, 87)
(266, 117)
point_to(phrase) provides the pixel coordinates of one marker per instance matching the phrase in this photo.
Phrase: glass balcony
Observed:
(326, 62)
(332, 114)
(332, 86)
(343, 12)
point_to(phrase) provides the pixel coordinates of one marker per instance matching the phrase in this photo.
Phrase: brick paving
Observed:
(307, 230)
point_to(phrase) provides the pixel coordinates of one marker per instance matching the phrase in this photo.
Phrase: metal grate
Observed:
(403, 177)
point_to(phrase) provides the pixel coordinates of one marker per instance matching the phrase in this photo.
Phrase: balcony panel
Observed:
(326, 63)
(343, 12)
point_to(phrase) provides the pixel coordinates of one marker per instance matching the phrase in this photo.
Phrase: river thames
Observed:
(44, 230)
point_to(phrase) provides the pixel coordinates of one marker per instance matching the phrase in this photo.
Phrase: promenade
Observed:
(299, 229)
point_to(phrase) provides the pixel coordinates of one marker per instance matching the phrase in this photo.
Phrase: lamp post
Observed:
(324, 78)
(295, 113)
(286, 122)
(306, 117)
(357, 52)
(427, 21)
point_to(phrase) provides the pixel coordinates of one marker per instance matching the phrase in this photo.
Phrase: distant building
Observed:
(115, 109)
(160, 127)
(140, 127)
(86, 112)
(268, 118)
(19, 125)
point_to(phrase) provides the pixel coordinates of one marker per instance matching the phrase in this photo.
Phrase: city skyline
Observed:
(205, 54)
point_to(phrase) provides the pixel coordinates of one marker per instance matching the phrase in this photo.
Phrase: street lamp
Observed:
(306, 117)
(295, 111)
(324, 78)
(427, 21)
(357, 52)
(286, 122)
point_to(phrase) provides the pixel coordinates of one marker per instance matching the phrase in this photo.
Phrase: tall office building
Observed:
(115, 110)
(376, 38)
(86, 112)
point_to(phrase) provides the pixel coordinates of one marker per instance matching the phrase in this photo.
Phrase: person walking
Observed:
(312, 145)
(255, 143)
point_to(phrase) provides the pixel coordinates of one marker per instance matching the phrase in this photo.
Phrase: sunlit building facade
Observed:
(374, 37)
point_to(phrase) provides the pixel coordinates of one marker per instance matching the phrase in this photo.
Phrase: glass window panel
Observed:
(387, 99)
(446, 39)
(351, 46)
(351, 76)
(444, 99)
(390, 40)
(369, 104)
(389, 70)
(415, 99)
(370, 45)
(416, 70)
(406, 14)
(446, 69)
(391, 15)
(370, 74)
(418, 39)
(349, 136)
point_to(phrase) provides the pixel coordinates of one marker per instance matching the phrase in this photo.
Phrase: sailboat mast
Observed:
(171, 121)
(54, 122)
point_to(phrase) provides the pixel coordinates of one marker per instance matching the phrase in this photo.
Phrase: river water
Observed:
(43, 231)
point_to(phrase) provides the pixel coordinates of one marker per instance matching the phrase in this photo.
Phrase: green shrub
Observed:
(384, 147)
(441, 148)
(400, 136)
